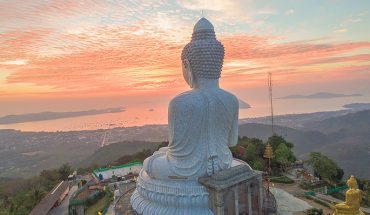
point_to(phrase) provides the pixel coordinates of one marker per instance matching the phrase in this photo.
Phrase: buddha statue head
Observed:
(352, 183)
(203, 57)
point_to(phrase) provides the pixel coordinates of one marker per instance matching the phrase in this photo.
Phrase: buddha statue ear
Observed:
(187, 72)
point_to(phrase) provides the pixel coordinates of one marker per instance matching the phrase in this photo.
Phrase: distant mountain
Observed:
(358, 106)
(357, 123)
(33, 117)
(295, 120)
(299, 120)
(319, 95)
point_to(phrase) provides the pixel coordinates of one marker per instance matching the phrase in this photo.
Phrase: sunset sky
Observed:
(71, 55)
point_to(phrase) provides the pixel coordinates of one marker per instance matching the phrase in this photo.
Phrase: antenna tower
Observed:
(271, 106)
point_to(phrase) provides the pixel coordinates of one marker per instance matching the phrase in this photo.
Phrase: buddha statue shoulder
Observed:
(353, 199)
(203, 122)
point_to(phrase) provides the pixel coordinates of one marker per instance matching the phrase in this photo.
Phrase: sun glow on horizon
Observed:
(52, 49)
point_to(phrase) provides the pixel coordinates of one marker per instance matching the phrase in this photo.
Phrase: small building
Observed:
(120, 171)
(298, 164)
(72, 176)
(52, 199)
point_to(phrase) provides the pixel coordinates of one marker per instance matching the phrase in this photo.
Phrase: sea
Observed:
(139, 115)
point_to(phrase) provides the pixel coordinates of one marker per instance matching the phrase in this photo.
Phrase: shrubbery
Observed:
(314, 211)
(282, 179)
(251, 150)
(20, 196)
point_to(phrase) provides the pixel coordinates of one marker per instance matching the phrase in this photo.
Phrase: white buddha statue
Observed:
(203, 124)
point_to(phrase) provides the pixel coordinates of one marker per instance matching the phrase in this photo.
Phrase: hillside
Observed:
(344, 138)
(304, 141)
(352, 154)
(26, 154)
(112, 152)
(351, 141)
(352, 123)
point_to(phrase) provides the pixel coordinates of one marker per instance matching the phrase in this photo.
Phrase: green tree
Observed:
(234, 150)
(250, 153)
(284, 156)
(275, 141)
(260, 146)
(339, 175)
(325, 168)
(49, 178)
(257, 165)
(257, 149)
(244, 141)
(36, 195)
(65, 170)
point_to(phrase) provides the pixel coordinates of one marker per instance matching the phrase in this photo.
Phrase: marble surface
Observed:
(203, 124)
(158, 197)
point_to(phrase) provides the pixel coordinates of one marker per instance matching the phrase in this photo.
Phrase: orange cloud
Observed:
(253, 47)
(249, 58)
(20, 44)
(133, 59)
(43, 10)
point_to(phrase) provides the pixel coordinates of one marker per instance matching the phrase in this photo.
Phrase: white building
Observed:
(118, 171)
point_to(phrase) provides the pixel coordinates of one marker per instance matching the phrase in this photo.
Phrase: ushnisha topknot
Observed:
(204, 52)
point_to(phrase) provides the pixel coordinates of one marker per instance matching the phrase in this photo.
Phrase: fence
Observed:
(78, 206)
(324, 190)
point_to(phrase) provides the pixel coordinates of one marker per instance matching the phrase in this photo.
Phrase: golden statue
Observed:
(353, 198)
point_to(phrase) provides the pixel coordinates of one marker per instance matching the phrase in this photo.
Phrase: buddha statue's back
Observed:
(203, 123)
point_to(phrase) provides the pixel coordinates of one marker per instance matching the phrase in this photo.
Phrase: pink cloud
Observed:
(21, 43)
(112, 60)
(39, 10)
(253, 47)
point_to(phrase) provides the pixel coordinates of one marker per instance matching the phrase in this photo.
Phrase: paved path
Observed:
(123, 205)
(62, 209)
(298, 192)
(287, 204)
(110, 210)
(126, 187)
